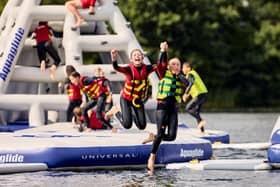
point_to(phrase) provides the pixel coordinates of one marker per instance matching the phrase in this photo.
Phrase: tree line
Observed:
(233, 44)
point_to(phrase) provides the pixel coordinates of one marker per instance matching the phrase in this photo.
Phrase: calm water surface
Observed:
(241, 127)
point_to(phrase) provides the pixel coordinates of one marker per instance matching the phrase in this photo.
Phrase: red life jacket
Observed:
(135, 88)
(74, 92)
(94, 89)
(42, 33)
(94, 123)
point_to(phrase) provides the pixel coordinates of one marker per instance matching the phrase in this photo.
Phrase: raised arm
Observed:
(162, 59)
(114, 54)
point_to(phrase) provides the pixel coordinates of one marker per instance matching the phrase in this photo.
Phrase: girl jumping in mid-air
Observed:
(170, 90)
(135, 90)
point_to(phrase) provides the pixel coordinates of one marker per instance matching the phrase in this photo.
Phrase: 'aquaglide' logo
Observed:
(11, 158)
(191, 153)
(12, 53)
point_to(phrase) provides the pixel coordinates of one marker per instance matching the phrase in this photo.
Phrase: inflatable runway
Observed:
(61, 147)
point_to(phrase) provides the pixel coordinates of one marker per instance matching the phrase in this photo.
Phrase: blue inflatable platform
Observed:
(61, 147)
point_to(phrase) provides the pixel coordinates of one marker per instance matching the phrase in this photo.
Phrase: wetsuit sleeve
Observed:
(162, 64)
(125, 70)
(162, 61)
(108, 85)
(190, 83)
(183, 80)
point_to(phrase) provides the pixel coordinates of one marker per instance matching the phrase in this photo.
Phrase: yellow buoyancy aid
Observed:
(169, 83)
(198, 86)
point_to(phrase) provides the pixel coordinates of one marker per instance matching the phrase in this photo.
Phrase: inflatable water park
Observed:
(35, 135)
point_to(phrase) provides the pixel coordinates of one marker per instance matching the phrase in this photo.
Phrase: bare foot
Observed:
(78, 23)
(112, 111)
(201, 125)
(114, 130)
(151, 164)
(149, 139)
(91, 10)
(87, 129)
(43, 66)
(52, 71)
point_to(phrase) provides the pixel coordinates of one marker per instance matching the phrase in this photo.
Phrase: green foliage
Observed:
(2, 4)
(233, 44)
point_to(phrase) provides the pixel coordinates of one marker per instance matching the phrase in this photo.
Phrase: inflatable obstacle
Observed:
(62, 147)
(273, 152)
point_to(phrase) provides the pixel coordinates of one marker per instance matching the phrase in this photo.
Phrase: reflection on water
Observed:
(239, 154)
(241, 127)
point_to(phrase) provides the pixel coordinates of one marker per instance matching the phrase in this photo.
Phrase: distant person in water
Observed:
(43, 36)
(73, 6)
(135, 90)
(198, 92)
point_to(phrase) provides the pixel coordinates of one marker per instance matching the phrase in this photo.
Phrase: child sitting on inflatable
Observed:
(94, 123)
(74, 5)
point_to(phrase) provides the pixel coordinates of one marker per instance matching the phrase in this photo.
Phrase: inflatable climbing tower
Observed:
(23, 87)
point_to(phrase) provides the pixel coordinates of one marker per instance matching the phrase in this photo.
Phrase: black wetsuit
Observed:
(47, 47)
(126, 116)
(194, 106)
(109, 105)
(167, 110)
(167, 117)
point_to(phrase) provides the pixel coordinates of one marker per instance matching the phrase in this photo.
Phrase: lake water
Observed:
(241, 127)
